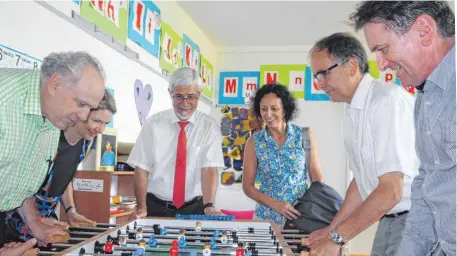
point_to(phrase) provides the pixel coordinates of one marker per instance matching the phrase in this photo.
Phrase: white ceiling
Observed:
(269, 23)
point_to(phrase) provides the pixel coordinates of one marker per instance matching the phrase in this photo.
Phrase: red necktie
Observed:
(179, 187)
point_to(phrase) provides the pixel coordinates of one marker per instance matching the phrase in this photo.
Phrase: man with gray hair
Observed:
(379, 142)
(177, 154)
(33, 107)
(417, 38)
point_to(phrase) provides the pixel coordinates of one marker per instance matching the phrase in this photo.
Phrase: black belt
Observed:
(169, 205)
(395, 215)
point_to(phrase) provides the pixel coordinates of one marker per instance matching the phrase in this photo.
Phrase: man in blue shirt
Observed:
(417, 39)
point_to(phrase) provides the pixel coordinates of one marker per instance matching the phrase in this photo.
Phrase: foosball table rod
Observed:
(213, 252)
(249, 230)
(193, 232)
(273, 246)
(208, 238)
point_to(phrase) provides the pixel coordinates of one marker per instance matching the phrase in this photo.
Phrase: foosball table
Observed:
(188, 235)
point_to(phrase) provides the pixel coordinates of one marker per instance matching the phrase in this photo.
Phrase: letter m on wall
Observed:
(231, 87)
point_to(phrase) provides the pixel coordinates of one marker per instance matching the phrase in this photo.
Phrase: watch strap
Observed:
(208, 205)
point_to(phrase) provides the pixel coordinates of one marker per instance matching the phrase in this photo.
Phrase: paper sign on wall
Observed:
(88, 185)
(238, 87)
(171, 49)
(292, 76)
(110, 16)
(144, 25)
(312, 90)
(10, 58)
(386, 75)
(191, 53)
(206, 73)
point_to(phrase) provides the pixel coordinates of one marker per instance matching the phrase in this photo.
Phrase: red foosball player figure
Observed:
(240, 250)
(108, 247)
(174, 248)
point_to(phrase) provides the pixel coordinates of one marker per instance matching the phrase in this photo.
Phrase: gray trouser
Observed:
(388, 236)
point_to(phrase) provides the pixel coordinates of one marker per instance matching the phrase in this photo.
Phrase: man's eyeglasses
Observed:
(180, 98)
(321, 75)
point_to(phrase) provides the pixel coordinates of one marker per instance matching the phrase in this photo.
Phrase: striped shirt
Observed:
(431, 224)
(27, 140)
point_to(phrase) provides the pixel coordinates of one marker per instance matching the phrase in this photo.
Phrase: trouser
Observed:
(160, 208)
(388, 236)
(2, 228)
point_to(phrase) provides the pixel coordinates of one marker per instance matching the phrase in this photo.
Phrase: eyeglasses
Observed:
(178, 98)
(321, 75)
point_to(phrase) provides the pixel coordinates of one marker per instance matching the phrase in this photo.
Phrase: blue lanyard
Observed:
(83, 153)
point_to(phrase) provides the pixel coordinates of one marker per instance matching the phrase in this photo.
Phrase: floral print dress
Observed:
(281, 170)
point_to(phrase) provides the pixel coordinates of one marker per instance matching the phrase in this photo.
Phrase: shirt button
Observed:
(428, 133)
(437, 162)
(427, 103)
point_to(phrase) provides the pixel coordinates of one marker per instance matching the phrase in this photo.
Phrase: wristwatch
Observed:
(336, 238)
(208, 205)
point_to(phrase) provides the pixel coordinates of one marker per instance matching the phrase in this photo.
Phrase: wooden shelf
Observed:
(95, 205)
(122, 173)
(126, 213)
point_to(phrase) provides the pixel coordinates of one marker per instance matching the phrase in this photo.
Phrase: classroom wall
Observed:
(324, 118)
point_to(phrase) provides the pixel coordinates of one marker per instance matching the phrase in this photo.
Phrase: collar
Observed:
(191, 120)
(444, 71)
(361, 93)
(32, 104)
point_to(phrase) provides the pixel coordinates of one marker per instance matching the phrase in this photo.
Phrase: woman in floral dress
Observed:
(276, 154)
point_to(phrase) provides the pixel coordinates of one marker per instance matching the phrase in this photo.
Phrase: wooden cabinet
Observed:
(95, 203)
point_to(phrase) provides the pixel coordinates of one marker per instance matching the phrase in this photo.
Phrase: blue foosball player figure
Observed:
(182, 243)
(213, 243)
(163, 230)
(141, 248)
(216, 233)
(152, 242)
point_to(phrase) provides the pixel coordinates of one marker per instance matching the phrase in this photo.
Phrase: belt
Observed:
(169, 205)
(395, 215)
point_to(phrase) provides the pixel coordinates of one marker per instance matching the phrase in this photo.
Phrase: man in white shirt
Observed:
(177, 154)
(379, 140)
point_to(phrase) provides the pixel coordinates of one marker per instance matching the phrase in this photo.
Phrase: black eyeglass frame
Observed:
(324, 73)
